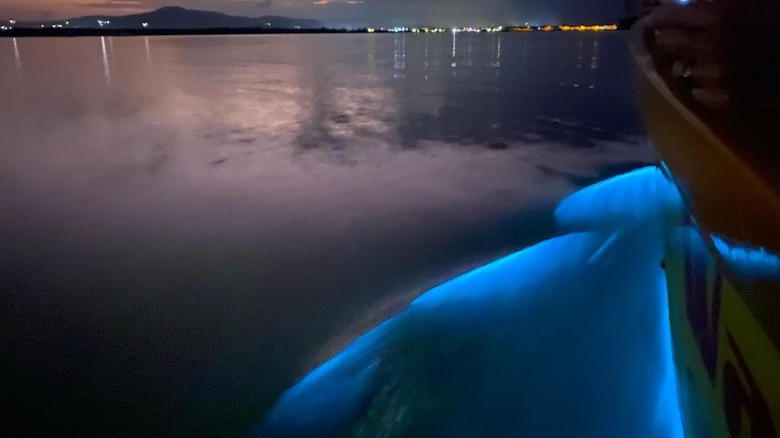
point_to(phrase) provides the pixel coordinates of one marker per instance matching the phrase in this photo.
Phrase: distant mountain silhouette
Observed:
(174, 17)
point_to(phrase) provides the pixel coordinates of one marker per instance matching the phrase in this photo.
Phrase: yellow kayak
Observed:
(723, 274)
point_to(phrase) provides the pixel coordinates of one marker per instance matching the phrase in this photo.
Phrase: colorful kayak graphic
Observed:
(707, 86)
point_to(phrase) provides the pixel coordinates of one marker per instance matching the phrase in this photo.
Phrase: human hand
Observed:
(688, 36)
(723, 53)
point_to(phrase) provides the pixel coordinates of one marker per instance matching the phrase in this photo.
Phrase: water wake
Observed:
(569, 337)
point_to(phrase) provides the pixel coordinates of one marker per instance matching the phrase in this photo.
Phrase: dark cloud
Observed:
(116, 4)
(264, 4)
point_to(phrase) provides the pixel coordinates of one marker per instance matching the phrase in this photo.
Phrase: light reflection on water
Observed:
(106, 66)
(187, 220)
(17, 57)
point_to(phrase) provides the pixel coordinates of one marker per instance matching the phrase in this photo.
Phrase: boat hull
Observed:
(725, 325)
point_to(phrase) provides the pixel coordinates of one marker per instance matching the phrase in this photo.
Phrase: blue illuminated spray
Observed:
(569, 337)
(746, 262)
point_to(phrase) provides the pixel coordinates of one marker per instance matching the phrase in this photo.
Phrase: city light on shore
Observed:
(476, 29)
(145, 26)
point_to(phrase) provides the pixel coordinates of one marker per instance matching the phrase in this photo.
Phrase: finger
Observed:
(681, 73)
(690, 76)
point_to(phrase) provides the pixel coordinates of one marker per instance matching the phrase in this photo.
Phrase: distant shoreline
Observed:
(71, 33)
(175, 20)
(48, 32)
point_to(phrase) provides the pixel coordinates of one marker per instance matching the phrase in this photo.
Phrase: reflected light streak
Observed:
(426, 52)
(399, 56)
(454, 49)
(106, 68)
(497, 63)
(17, 57)
(148, 52)
(469, 50)
(426, 57)
(372, 55)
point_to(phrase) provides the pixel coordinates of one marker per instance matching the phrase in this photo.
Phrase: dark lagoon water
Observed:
(190, 224)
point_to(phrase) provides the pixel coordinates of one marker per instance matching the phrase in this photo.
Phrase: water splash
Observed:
(569, 337)
(747, 262)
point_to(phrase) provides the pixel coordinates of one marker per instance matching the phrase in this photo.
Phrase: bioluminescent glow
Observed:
(748, 262)
(569, 337)
(638, 196)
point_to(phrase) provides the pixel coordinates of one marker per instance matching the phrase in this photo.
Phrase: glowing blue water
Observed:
(569, 337)
(747, 262)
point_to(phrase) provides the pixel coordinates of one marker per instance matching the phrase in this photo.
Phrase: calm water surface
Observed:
(189, 224)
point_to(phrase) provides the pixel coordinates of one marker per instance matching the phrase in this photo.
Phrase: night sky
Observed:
(344, 12)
